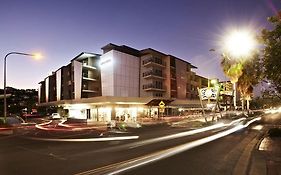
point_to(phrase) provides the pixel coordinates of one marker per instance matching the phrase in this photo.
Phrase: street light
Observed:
(239, 45)
(35, 55)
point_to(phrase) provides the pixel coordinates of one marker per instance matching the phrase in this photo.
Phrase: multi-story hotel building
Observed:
(122, 83)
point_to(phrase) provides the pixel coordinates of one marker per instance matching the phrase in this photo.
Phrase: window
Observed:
(157, 94)
(173, 62)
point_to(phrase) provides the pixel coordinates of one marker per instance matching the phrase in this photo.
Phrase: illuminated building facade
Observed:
(123, 83)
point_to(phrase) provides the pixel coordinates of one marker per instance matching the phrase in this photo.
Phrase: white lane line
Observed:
(133, 163)
(87, 139)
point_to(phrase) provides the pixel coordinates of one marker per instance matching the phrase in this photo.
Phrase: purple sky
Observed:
(61, 29)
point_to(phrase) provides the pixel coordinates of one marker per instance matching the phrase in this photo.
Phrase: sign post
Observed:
(208, 94)
(161, 107)
(201, 102)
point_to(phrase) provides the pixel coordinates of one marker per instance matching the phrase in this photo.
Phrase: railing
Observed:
(86, 89)
(153, 87)
(90, 79)
(154, 60)
(152, 73)
(89, 66)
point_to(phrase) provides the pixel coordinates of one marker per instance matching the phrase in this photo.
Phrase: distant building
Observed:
(122, 81)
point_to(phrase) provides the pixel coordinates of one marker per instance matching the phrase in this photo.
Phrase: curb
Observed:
(6, 131)
(243, 163)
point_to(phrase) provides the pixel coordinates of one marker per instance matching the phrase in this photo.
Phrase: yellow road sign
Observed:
(161, 104)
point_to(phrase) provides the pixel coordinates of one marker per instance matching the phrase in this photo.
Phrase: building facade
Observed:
(123, 83)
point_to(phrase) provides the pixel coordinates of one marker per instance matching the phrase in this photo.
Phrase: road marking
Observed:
(143, 160)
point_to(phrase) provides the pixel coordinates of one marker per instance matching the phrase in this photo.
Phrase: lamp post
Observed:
(37, 56)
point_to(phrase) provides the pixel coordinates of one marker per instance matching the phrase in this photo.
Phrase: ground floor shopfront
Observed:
(126, 109)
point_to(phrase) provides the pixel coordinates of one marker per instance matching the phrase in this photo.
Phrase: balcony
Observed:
(89, 67)
(89, 91)
(153, 61)
(153, 87)
(90, 79)
(153, 74)
(173, 77)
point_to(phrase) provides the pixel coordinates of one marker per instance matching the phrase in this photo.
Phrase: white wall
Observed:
(47, 89)
(39, 93)
(106, 65)
(77, 79)
(77, 113)
(120, 74)
(58, 84)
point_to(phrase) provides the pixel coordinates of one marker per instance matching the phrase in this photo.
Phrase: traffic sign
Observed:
(161, 104)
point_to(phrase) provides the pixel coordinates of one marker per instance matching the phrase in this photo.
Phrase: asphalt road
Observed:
(20, 155)
(217, 157)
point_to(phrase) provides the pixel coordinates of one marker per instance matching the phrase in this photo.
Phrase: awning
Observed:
(155, 102)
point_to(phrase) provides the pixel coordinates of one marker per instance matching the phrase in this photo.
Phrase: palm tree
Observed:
(251, 76)
(233, 70)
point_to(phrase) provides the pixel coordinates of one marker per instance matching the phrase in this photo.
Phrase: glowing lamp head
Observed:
(240, 43)
(214, 81)
(37, 56)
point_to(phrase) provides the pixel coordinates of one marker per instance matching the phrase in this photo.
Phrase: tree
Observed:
(251, 75)
(233, 70)
(272, 51)
(245, 72)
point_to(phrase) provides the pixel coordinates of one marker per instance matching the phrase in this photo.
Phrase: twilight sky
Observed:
(61, 29)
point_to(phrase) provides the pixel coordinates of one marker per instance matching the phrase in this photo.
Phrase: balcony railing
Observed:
(87, 66)
(153, 60)
(89, 90)
(90, 79)
(153, 87)
(153, 74)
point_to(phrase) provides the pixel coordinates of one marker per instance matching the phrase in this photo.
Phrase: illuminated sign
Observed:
(161, 104)
(105, 61)
(208, 93)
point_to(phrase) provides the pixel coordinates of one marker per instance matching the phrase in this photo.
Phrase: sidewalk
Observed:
(271, 147)
(266, 157)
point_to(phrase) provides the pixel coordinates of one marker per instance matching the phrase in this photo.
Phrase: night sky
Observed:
(61, 29)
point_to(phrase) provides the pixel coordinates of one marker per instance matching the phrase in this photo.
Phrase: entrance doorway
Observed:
(88, 114)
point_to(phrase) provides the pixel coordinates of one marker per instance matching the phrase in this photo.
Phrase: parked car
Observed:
(55, 116)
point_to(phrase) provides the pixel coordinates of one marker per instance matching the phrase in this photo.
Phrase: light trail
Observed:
(133, 163)
(183, 134)
(40, 126)
(87, 139)
(164, 138)
(65, 127)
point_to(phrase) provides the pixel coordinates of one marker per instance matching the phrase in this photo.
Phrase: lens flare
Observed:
(240, 43)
